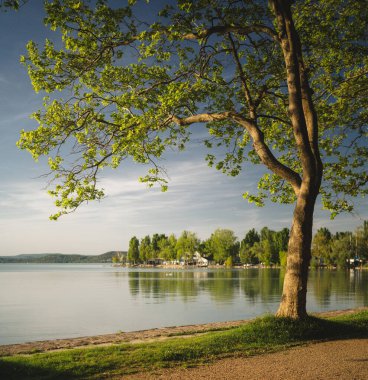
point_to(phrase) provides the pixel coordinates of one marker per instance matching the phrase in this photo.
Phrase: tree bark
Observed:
(305, 127)
(294, 296)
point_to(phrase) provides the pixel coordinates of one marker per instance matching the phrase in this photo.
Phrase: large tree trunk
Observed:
(294, 296)
(305, 128)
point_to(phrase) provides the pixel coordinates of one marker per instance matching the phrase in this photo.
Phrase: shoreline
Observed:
(223, 266)
(140, 336)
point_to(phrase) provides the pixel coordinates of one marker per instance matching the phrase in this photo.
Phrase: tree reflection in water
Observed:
(254, 285)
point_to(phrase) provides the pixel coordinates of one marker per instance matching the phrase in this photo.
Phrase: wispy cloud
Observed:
(199, 199)
(10, 120)
(4, 80)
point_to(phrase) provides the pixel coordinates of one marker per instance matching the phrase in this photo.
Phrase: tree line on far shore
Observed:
(342, 249)
(267, 247)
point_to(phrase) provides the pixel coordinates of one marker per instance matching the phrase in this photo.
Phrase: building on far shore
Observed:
(196, 260)
(200, 260)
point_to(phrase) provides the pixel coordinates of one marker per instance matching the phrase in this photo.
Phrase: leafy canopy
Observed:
(223, 244)
(132, 82)
(12, 4)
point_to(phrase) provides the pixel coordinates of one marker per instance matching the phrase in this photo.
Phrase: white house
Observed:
(200, 260)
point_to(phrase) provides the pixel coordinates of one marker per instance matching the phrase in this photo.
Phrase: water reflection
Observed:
(255, 285)
(48, 302)
(331, 288)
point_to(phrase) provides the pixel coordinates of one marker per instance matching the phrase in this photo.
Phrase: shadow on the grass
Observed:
(285, 330)
(26, 371)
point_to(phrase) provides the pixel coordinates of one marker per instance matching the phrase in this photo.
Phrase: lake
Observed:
(49, 301)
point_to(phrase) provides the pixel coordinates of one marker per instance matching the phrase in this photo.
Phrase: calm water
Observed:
(50, 301)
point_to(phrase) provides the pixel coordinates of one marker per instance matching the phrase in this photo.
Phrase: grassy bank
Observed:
(261, 335)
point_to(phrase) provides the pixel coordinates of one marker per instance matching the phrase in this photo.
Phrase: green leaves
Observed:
(131, 80)
(14, 4)
(223, 244)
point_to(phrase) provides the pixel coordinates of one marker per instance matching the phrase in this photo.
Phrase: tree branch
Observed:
(201, 118)
(260, 146)
(224, 29)
(266, 156)
(243, 78)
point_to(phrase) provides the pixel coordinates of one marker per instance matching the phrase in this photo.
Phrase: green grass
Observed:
(262, 335)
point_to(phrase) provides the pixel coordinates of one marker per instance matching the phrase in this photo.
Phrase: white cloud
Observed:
(199, 199)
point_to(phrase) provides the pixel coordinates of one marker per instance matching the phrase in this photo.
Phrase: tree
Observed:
(266, 252)
(321, 247)
(223, 244)
(133, 251)
(251, 237)
(246, 254)
(186, 245)
(167, 248)
(206, 249)
(280, 83)
(145, 251)
(172, 246)
(283, 258)
(155, 247)
(257, 252)
(342, 249)
(229, 262)
(281, 239)
(361, 241)
(269, 243)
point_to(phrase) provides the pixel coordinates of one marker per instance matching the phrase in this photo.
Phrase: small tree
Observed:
(269, 242)
(224, 245)
(186, 245)
(155, 249)
(246, 254)
(265, 252)
(165, 248)
(251, 237)
(281, 239)
(229, 262)
(172, 247)
(283, 258)
(321, 247)
(145, 250)
(133, 251)
(342, 250)
(361, 241)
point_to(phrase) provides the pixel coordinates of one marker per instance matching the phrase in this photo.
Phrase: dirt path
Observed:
(343, 359)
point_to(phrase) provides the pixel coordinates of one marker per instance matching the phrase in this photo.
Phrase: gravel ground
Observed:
(343, 359)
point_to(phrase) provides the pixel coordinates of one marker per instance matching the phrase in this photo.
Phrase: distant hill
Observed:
(50, 258)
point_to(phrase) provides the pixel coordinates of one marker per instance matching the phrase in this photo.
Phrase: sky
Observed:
(199, 198)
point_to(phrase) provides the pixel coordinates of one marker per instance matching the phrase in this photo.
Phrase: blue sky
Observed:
(199, 199)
